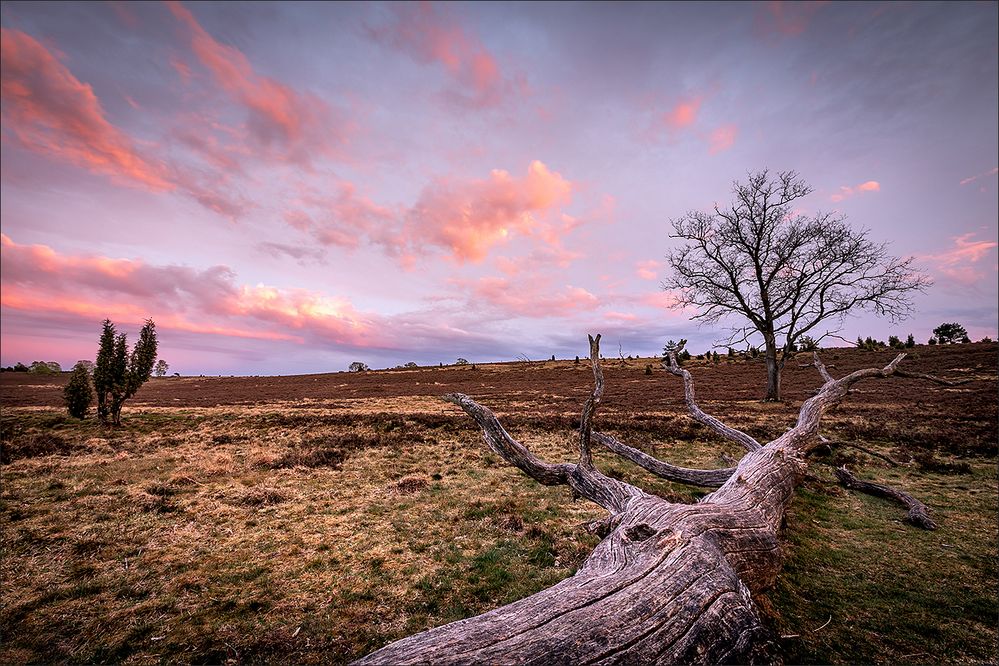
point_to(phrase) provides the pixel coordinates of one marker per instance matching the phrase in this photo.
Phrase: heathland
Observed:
(315, 518)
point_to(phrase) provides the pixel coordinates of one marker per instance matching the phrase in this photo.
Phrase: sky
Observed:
(286, 188)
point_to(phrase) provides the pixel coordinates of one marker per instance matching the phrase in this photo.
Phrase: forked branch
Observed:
(698, 414)
(705, 478)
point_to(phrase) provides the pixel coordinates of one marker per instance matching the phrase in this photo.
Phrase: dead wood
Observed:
(888, 459)
(708, 478)
(919, 513)
(670, 582)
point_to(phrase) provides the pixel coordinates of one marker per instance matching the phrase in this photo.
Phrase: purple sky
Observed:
(287, 188)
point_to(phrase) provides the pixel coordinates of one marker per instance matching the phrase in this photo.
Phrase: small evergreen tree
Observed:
(118, 374)
(910, 342)
(894, 342)
(78, 393)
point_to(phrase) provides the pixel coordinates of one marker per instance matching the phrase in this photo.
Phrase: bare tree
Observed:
(670, 582)
(787, 274)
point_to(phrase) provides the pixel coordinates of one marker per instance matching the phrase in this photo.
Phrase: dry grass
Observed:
(317, 531)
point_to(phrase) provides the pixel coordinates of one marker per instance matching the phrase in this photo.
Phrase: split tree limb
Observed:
(670, 583)
(706, 478)
(609, 493)
(698, 414)
(919, 513)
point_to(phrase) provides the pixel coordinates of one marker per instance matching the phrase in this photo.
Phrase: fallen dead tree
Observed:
(670, 582)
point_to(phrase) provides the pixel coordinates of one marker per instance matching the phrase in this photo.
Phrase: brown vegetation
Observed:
(200, 532)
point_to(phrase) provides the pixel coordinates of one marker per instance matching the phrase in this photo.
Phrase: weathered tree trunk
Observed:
(671, 583)
(773, 368)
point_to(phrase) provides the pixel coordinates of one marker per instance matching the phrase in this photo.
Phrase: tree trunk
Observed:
(671, 583)
(773, 369)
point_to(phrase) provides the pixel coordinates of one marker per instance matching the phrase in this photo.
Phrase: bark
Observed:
(919, 514)
(773, 369)
(670, 583)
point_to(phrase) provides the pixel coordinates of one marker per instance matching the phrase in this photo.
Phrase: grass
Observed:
(265, 533)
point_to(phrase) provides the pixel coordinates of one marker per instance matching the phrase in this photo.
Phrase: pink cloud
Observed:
(789, 19)
(468, 218)
(846, 192)
(49, 111)
(959, 262)
(722, 138)
(683, 114)
(530, 298)
(432, 37)
(346, 218)
(659, 299)
(294, 126)
(991, 172)
(39, 280)
(648, 270)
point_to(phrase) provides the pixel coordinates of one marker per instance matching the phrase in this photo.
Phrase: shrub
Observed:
(78, 394)
(462, 361)
(410, 364)
(932, 341)
(44, 368)
(161, 368)
(807, 343)
(20, 367)
(950, 333)
(894, 342)
(357, 366)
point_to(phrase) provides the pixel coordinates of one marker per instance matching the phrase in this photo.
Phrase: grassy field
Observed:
(316, 518)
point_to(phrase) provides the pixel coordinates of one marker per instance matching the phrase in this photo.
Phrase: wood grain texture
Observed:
(670, 583)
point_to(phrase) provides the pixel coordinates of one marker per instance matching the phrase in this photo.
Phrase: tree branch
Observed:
(936, 380)
(705, 478)
(820, 366)
(725, 431)
(919, 514)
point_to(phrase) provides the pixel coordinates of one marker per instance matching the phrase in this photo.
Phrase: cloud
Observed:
(722, 138)
(846, 192)
(683, 114)
(465, 218)
(647, 270)
(959, 263)
(292, 126)
(41, 281)
(431, 37)
(49, 111)
(468, 218)
(534, 297)
(788, 19)
(991, 172)
(345, 219)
